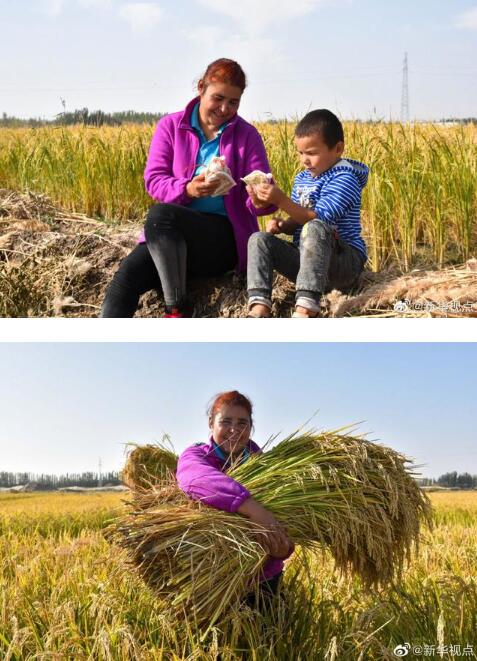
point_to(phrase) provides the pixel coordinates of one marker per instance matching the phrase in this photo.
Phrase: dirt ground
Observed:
(54, 263)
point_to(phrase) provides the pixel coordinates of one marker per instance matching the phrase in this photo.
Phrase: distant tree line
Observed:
(452, 480)
(48, 482)
(88, 117)
(461, 120)
(85, 117)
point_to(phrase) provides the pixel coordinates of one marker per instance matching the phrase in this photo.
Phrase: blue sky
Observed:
(65, 405)
(299, 54)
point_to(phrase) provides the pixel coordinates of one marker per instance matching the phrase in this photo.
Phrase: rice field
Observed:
(64, 595)
(419, 206)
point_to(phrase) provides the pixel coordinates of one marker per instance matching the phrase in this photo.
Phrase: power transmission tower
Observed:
(100, 477)
(405, 93)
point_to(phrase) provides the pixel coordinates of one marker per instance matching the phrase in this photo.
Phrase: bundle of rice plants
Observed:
(148, 464)
(331, 490)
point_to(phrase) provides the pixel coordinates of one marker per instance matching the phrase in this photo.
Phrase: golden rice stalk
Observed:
(148, 464)
(333, 491)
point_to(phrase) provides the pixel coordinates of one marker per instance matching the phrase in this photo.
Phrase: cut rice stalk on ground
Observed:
(55, 263)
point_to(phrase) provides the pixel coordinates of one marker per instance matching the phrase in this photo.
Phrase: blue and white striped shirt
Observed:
(335, 197)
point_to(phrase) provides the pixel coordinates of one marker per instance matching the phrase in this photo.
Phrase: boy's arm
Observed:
(298, 215)
(274, 195)
(337, 197)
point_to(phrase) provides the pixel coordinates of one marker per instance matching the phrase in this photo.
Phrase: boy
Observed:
(324, 218)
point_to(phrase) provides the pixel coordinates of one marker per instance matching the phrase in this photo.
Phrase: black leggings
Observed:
(267, 589)
(180, 242)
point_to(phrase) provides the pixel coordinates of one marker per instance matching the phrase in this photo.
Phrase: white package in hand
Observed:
(217, 170)
(257, 177)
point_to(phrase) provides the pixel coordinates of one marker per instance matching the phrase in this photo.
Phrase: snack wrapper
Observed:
(257, 177)
(217, 170)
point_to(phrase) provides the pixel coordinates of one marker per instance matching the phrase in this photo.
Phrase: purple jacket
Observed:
(172, 161)
(200, 475)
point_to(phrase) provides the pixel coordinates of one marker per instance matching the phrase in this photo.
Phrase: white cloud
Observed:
(257, 16)
(205, 35)
(100, 4)
(214, 43)
(211, 42)
(54, 7)
(468, 19)
(141, 16)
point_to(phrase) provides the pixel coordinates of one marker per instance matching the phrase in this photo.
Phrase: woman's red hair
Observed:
(233, 397)
(225, 71)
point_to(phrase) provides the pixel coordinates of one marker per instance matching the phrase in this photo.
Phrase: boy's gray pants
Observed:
(321, 263)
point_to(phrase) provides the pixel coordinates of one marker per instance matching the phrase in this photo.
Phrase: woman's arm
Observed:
(255, 158)
(275, 539)
(201, 481)
(158, 176)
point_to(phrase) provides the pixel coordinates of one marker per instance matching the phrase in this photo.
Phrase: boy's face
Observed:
(315, 155)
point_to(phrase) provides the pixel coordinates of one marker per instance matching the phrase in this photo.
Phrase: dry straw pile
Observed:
(54, 263)
(333, 491)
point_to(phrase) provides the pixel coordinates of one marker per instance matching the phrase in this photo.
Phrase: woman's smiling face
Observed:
(219, 102)
(231, 427)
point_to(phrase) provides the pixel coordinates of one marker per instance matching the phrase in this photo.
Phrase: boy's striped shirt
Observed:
(335, 196)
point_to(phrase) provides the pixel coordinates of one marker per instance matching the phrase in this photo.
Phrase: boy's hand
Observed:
(279, 226)
(270, 194)
(253, 196)
(273, 226)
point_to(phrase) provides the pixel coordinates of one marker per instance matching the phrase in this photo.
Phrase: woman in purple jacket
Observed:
(190, 232)
(202, 475)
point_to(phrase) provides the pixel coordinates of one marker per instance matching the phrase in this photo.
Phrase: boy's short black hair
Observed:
(323, 122)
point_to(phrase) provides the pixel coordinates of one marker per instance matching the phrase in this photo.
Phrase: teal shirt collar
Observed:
(194, 122)
(221, 454)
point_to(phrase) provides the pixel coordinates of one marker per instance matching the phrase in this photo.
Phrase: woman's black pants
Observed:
(180, 243)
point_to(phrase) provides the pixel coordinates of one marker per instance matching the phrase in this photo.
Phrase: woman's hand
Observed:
(253, 196)
(275, 538)
(277, 543)
(199, 187)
